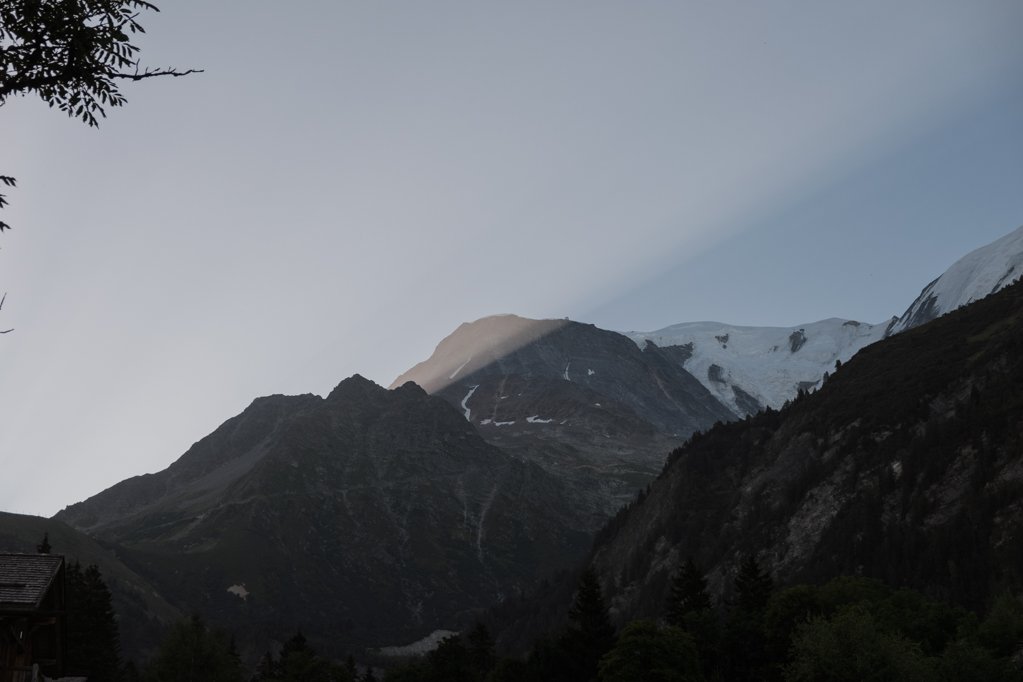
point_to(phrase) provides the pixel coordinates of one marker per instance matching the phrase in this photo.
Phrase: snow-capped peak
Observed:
(974, 276)
(748, 368)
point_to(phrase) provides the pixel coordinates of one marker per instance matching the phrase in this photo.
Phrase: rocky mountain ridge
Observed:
(904, 466)
(586, 404)
(403, 518)
(748, 368)
(979, 273)
(436, 506)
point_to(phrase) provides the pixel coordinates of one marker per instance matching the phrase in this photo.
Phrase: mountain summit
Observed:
(978, 274)
(749, 368)
(584, 403)
(361, 517)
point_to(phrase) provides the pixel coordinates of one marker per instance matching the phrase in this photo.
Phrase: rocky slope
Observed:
(365, 518)
(905, 466)
(586, 404)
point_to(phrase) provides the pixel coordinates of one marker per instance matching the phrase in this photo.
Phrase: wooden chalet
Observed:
(32, 602)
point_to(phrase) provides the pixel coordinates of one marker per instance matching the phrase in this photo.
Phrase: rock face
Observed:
(904, 466)
(363, 518)
(586, 404)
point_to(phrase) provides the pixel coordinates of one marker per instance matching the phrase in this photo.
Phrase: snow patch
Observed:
(535, 419)
(418, 648)
(977, 274)
(566, 371)
(504, 423)
(239, 591)
(751, 360)
(460, 368)
(590, 372)
(465, 407)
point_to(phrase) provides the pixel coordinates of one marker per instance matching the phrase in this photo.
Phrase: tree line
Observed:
(849, 628)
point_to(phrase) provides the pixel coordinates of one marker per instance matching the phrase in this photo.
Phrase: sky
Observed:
(347, 182)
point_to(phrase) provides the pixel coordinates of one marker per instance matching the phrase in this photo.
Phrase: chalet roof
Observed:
(26, 578)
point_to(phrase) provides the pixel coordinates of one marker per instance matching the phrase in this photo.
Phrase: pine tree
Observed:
(192, 651)
(481, 651)
(592, 635)
(752, 586)
(689, 608)
(688, 594)
(93, 641)
(745, 642)
(44, 546)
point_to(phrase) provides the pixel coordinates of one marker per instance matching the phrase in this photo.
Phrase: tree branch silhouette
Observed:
(71, 54)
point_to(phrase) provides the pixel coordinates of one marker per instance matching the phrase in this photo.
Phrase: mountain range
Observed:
(373, 517)
(905, 466)
(402, 515)
(749, 368)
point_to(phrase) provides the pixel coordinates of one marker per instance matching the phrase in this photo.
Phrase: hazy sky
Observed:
(349, 181)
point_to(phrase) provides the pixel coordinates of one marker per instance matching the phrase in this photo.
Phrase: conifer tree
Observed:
(648, 653)
(481, 651)
(689, 608)
(93, 641)
(688, 594)
(745, 641)
(592, 635)
(192, 651)
(752, 586)
(44, 546)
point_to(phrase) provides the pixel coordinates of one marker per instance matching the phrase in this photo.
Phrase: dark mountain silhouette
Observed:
(369, 517)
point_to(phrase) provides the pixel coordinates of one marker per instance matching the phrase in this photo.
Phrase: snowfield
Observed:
(977, 274)
(770, 364)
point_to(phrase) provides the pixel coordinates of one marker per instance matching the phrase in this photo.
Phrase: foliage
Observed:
(454, 660)
(589, 611)
(298, 662)
(480, 651)
(7, 181)
(646, 653)
(853, 646)
(1002, 630)
(752, 586)
(745, 645)
(688, 594)
(193, 652)
(591, 634)
(850, 628)
(689, 608)
(71, 54)
(93, 641)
